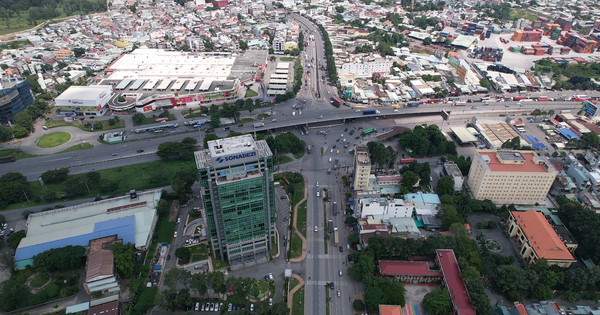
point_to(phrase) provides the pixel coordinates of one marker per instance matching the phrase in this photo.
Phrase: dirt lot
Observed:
(415, 293)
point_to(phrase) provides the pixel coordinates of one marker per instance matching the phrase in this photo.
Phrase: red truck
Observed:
(518, 98)
(544, 99)
(335, 101)
(406, 161)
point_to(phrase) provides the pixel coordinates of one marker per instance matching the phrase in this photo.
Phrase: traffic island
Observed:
(53, 139)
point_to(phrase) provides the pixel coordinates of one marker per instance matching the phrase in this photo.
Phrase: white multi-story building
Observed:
(385, 208)
(366, 69)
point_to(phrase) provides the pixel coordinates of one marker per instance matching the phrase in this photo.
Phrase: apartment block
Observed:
(510, 176)
(538, 238)
(63, 53)
(362, 168)
(366, 69)
(236, 176)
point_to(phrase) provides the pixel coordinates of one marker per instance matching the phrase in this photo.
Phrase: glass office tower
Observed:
(238, 193)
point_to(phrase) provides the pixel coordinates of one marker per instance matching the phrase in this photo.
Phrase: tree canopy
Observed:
(123, 256)
(183, 150)
(427, 140)
(57, 259)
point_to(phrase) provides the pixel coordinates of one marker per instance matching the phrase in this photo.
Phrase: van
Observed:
(329, 160)
(44, 127)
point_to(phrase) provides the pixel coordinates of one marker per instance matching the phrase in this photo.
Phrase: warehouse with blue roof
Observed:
(131, 217)
(568, 133)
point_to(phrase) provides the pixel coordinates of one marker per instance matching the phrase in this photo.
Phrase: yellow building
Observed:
(537, 238)
(291, 45)
(63, 53)
(122, 44)
(509, 176)
(362, 168)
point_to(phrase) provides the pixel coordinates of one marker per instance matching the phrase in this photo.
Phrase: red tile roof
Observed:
(455, 284)
(544, 240)
(110, 308)
(413, 268)
(529, 166)
(390, 310)
(521, 308)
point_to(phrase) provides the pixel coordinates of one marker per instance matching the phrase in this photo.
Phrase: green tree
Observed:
(123, 256)
(209, 137)
(14, 240)
(183, 253)
(13, 187)
(26, 214)
(182, 183)
(427, 41)
(484, 82)
(78, 51)
(163, 207)
(249, 105)
(7, 262)
(20, 132)
(409, 180)
(24, 120)
(138, 118)
(438, 302)
(358, 305)
(589, 139)
(445, 185)
(5, 134)
(55, 176)
(215, 121)
(301, 40)
(57, 259)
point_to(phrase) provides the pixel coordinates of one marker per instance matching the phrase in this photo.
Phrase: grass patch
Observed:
(521, 14)
(78, 147)
(53, 139)
(273, 250)
(299, 155)
(283, 159)
(85, 127)
(39, 280)
(147, 296)
(250, 93)
(288, 59)
(301, 217)
(262, 116)
(165, 230)
(152, 120)
(295, 246)
(19, 22)
(298, 301)
(258, 289)
(218, 263)
(137, 176)
(245, 120)
(199, 252)
(294, 283)
(16, 153)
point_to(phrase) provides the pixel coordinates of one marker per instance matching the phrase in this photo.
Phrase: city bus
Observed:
(368, 131)
(158, 131)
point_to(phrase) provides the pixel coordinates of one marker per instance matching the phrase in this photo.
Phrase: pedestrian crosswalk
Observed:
(337, 283)
(323, 256)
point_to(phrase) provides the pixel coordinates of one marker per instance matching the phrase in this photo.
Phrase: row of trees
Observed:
(286, 142)
(23, 121)
(183, 150)
(331, 68)
(427, 140)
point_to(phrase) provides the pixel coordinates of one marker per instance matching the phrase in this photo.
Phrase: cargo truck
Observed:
(330, 226)
(336, 237)
(335, 101)
(406, 161)
(370, 112)
(260, 124)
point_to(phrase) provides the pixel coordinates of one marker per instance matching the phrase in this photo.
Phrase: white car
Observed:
(317, 184)
(178, 220)
(251, 307)
(316, 228)
(175, 234)
(358, 110)
(270, 302)
(318, 193)
(202, 308)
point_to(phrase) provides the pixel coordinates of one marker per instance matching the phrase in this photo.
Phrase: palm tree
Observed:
(7, 262)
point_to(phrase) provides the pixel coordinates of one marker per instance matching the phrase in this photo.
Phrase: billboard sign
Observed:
(589, 108)
(236, 158)
(147, 108)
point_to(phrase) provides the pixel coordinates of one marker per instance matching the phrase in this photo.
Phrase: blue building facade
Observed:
(15, 96)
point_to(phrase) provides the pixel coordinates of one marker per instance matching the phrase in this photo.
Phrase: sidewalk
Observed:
(292, 291)
(303, 256)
